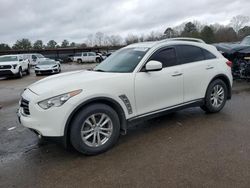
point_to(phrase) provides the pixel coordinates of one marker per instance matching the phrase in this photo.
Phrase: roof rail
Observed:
(186, 39)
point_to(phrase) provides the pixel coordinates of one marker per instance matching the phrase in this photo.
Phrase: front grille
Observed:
(25, 105)
(5, 66)
(6, 73)
(44, 71)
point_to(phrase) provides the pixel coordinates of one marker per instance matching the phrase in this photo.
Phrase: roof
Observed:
(12, 55)
(151, 44)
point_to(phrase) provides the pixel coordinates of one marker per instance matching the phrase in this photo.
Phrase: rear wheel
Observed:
(95, 129)
(216, 97)
(98, 60)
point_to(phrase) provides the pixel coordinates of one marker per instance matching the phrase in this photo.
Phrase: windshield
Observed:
(47, 63)
(123, 61)
(8, 58)
(246, 41)
(39, 56)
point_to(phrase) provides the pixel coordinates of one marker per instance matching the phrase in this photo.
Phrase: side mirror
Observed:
(153, 66)
(20, 59)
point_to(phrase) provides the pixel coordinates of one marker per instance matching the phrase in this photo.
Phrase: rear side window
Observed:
(166, 56)
(189, 54)
(92, 54)
(208, 55)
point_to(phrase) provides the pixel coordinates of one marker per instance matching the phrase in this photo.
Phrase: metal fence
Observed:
(61, 53)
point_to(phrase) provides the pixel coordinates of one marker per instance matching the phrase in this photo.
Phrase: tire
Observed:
(79, 61)
(98, 60)
(217, 91)
(83, 121)
(20, 73)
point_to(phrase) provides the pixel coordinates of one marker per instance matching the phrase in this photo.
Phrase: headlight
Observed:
(37, 67)
(14, 66)
(58, 100)
(55, 66)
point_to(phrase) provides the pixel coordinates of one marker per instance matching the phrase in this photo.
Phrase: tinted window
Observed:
(92, 54)
(208, 55)
(188, 54)
(167, 57)
(84, 54)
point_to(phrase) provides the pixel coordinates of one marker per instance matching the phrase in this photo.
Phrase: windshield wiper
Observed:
(99, 70)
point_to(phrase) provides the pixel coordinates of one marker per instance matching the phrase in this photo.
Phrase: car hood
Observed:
(43, 58)
(70, 81)
(45, 66)
(231, 48)
(8, 63)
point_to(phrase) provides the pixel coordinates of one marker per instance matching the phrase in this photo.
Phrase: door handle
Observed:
(209, 67)
(176, 74)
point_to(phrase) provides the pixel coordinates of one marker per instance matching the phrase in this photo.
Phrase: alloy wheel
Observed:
(96, 130)
(217, 96)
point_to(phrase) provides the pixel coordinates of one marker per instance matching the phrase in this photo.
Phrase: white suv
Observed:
(89, 109)
(13, 65)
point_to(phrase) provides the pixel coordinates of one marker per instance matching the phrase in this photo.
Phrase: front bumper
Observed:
(47, 123)
(6, 73)
(49, 71)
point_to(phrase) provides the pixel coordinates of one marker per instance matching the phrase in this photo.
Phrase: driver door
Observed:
(158, 90)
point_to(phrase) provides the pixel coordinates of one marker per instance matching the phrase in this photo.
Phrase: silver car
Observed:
(48, 67)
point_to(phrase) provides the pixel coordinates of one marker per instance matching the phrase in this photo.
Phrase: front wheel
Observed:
(216, 97)
(20, 73)
(28, 70)
(95, 129)
(79, 61)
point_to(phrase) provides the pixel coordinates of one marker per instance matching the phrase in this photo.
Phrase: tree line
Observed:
(214, 33)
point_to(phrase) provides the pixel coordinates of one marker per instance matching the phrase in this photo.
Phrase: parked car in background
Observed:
(48, 67)
(70, 58)
(138, 82)
(13, 65)
(87, 57)
(239, 54)
(34, 58)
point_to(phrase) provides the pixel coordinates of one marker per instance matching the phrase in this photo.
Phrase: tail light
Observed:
(229, 63)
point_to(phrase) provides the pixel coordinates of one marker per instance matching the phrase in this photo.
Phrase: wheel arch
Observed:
(104, 100)
(225, 79)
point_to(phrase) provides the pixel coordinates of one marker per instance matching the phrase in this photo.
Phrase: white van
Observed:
(34, 58)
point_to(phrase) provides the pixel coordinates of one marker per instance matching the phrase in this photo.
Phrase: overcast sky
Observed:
(74, 20)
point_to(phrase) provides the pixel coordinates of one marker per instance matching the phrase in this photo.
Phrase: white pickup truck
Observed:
(13, 65)
(87, 57)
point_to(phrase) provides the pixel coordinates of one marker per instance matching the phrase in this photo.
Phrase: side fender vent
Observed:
(125, 100)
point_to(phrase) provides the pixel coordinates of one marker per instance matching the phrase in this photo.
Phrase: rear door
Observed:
(196, 67)
(91, 56)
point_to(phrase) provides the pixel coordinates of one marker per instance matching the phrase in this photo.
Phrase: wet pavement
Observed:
(184, 149)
